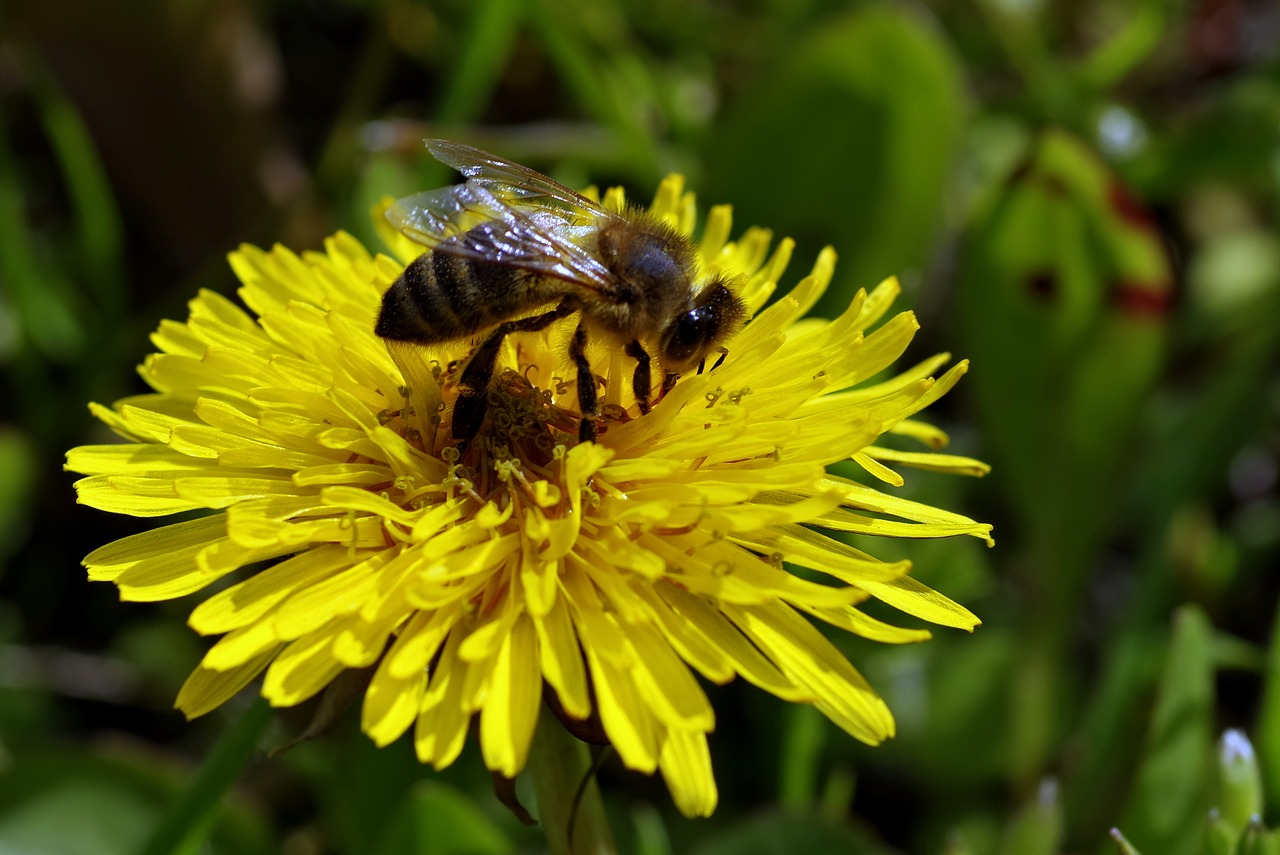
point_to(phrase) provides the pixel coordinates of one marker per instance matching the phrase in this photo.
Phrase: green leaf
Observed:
(485, 50)
(78, 817)
(1109, 63)
(1171, 794)
(773, 833)
(71, 801)
(438, 820)
(651, 837)
(32, 288)
(1268, 736)
(101, 233)
(187, 821)
(1220, 838)
(1257, 840)
(1061, 301)
(1037, 828)
(1063, 288)
(17, 462)
(597, 73)
(851, 141)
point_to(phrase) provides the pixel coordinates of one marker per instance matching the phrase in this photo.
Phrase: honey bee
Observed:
(511, 250)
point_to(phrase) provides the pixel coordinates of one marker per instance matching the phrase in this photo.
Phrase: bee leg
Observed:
(587, 401)
(724, 352)
(469, 409)
(641, 383)
(669, 382)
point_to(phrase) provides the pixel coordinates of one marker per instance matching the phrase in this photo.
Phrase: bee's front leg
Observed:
(641, 381)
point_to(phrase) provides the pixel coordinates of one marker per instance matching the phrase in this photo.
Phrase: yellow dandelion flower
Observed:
(696, 539)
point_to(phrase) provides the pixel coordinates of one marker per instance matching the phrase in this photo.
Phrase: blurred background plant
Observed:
(1082, 197)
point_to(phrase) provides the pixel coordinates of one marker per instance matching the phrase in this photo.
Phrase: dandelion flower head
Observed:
(341, 527)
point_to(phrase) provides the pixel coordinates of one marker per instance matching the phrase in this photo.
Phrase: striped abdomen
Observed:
(441, 297)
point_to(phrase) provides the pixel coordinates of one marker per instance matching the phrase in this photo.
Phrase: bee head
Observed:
(716, 313)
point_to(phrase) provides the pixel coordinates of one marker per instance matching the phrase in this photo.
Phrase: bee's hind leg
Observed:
(473, 400)
(641, 381)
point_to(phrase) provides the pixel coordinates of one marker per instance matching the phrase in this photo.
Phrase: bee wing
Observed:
(511, 180)
(468, 220)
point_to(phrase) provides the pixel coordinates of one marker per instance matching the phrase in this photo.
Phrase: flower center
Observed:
(522, 427)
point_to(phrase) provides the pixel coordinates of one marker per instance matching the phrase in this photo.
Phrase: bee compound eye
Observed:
(685, 339)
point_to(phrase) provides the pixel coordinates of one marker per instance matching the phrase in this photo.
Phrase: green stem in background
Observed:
(591, 79)
(1111, 62)
(558, 765)
(185, 826)
(486, 48)
(802, 746)
(100, 232)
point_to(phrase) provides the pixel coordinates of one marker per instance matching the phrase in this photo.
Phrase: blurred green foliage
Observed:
(1082, 197)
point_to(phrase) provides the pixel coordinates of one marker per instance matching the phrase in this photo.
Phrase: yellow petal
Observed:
(910, 596)
(811, 660)
(511, 711)
(301, 670)
(561, 659)
(391, 702)
(206, 689)
(686, 767)
(187, 538)
(442, 723)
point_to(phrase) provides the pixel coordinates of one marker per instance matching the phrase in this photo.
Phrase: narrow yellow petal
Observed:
(206, 689)
(131, 495)
(442, 723)
(418, 642)
(301, 670)
(240, 646)
(128, 457)
(391, 702)
(511, 711)
(627, 721)
(745, 658)
(810, 549)
(561, 659)
(357, 643)
(810, 659)
(309, 608)
(108, 562)
(692, 646)
(851, 620)
(877, 469)
(665, 682)
(948, 463)
(910, 596)
(686, 767)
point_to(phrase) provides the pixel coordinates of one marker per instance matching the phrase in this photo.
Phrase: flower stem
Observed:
(189, 819)
(568, 797)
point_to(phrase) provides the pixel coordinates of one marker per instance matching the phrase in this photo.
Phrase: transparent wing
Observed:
(511, 180)
(469, 220)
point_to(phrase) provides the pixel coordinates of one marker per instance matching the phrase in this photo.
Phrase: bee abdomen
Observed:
(441, 297)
